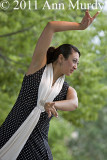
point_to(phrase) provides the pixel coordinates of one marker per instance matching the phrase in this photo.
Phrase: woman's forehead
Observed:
(75, 55)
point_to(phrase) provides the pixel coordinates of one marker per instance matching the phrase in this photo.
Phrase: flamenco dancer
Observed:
(24, 133)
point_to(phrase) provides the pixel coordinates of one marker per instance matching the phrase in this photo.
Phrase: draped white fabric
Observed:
(46, 93)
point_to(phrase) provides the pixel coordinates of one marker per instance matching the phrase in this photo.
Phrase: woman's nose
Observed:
(75, 66)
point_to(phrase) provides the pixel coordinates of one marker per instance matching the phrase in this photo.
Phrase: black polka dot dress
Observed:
(36, 147)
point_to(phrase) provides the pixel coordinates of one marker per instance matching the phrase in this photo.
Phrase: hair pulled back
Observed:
(64, 49)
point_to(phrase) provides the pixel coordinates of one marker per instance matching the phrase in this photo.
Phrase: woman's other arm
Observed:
(70, 104)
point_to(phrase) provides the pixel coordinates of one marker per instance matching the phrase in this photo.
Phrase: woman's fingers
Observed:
(87, 13)
(54, 110)
(50, 109)
(89, 16)
(87, 20)
(49, 113)
(95, 15)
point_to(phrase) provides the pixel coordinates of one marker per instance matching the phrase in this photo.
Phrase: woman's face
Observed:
(68, 66)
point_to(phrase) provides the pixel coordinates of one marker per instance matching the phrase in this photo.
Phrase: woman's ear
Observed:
(60, 58)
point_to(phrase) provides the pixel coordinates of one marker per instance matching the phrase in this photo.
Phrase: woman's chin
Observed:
(68, 74)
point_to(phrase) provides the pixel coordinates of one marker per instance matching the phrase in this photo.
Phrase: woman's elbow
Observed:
(75, 105)
(51, 26)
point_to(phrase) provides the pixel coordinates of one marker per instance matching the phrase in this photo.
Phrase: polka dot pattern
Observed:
(36, 147)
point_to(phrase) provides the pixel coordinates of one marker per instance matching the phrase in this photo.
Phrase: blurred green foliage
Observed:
(91, 142)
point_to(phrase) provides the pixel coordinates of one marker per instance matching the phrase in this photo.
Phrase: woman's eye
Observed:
(74, 61)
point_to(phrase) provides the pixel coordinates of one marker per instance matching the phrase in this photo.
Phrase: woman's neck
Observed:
(56, 71)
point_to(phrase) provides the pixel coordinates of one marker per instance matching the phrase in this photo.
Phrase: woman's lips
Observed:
(71, 71)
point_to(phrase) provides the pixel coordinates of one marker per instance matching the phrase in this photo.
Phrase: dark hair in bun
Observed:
(50, 54)
(64, 49)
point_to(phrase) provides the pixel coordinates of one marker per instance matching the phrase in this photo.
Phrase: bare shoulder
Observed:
(34, 68)
(71, 93)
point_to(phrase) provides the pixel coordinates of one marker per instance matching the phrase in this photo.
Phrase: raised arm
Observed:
(39, 56)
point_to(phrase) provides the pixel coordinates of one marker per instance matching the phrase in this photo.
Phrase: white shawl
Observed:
(46, 93)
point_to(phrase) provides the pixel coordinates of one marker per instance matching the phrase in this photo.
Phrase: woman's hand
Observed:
(87, 20)
(50, 109)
